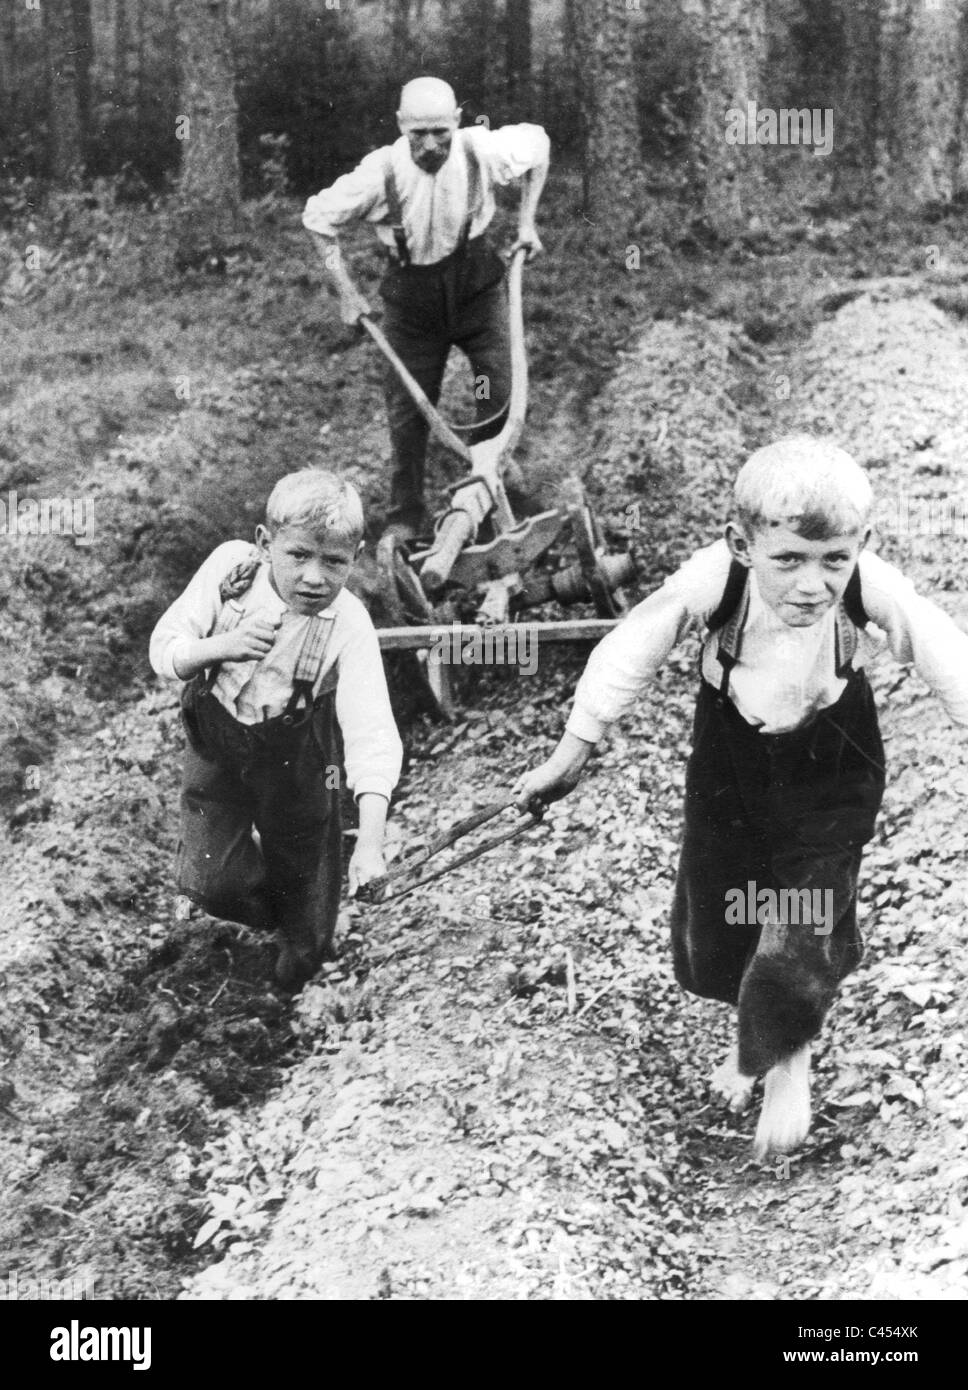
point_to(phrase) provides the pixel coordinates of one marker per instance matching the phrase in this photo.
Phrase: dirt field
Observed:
(497, 1090)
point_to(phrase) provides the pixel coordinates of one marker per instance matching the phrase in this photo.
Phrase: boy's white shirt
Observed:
(434, 206)
(784, 674)
(371, 744)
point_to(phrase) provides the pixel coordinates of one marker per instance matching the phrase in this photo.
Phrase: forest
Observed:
(633, 92)
(754, 225)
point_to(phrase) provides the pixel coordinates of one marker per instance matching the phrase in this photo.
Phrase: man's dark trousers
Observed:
(460, 301)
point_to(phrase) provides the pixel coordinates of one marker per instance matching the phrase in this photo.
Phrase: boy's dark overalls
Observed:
(272, 776)
(460, 301)
(787, 811)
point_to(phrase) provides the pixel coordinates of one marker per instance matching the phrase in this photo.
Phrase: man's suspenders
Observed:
(729, 620)
(395, 206)
(392, 195)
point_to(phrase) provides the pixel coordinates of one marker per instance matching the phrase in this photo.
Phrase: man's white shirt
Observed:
(434, 206)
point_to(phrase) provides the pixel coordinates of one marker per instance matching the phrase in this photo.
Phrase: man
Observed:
(430, 196)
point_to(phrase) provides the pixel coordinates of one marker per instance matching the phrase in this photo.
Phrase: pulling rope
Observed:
(380, 890)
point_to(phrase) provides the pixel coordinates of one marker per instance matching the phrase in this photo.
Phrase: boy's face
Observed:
(799, 579)
(307, 567)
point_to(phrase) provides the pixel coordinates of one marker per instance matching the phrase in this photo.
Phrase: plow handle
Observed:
(438, 426)
(458, 528)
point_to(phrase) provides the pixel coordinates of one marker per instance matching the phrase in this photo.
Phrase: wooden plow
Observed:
(457, 588)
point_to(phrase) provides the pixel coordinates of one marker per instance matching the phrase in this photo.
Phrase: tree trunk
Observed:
(8, 63)
(65, 137)
(598, 34)
(958, 153)
(519, 59)
(121, 70)
(924, 77)
(84, 58)
(479, 18)
(139, 48)
(208, 194)
(733, 40)
(857, 112)
(400, 40)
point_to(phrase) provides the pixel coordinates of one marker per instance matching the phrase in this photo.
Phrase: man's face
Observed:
(430, 142)
(307, 567)
(799, 579)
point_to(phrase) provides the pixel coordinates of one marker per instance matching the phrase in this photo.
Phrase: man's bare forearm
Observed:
(532, 187)
(327, 249)
(352, 303)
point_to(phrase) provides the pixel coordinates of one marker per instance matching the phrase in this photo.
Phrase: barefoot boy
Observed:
(787, 769)
(276, 654)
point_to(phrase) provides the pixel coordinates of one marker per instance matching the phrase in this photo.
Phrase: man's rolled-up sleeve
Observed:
(354, 196)
(512, 150)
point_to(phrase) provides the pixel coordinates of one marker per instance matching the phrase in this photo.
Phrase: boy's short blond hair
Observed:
(812, 486)
(318, 500)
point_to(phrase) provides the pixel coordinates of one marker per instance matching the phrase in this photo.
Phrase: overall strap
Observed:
(731, 621)
(310, 661)
(853, 601)
(392, 194)
(852, 618)
(237, 582)
(475, 187)
(732, 595)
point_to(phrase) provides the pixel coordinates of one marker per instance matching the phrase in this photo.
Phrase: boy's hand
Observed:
(547, 782)
(556, 777)
(252, 639)
(366, 863)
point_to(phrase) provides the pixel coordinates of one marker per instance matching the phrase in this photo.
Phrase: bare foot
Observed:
(730, 1085)
(785, 1117)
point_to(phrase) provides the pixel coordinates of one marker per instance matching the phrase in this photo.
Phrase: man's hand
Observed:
(351, 302)
(252, 639)
(529, 240)
(367, 862)
(352, 306)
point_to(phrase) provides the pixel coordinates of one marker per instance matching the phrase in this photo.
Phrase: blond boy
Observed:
(278, 657)
(786, 773)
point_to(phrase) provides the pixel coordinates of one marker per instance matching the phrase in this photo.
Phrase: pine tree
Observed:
(208, 194)
(599, 37)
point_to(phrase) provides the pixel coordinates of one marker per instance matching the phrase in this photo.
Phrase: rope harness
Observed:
(397, 883)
